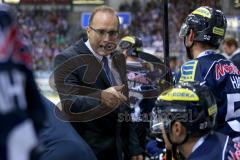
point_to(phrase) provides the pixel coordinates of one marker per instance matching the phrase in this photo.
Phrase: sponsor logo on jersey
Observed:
(188, 71)
(222, 69)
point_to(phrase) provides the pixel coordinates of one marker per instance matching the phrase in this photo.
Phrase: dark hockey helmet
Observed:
(188, 102)
(208, 24)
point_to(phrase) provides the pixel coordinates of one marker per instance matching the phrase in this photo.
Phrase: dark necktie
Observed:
(106, 68)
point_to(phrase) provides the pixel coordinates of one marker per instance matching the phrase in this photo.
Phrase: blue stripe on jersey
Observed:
(188, 67)
(187, 72)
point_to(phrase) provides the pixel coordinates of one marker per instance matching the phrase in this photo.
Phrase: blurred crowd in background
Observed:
(45, 32)
(48, 32)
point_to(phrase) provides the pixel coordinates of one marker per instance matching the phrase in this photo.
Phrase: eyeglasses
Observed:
(102, 32)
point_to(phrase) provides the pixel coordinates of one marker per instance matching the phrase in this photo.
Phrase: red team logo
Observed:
(235, 155)
(222, 69)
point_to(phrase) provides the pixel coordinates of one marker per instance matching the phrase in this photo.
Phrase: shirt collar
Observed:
(206, 52)
(199, 143)
(234, 53)
(99, 57)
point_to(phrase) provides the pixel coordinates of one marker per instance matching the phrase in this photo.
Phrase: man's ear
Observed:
(178, 129)
(88, 31)
(191, 35)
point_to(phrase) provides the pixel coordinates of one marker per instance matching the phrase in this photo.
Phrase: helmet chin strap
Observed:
(188, 49)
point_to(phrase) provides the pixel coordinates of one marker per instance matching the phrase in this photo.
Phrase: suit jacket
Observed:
(104, 134)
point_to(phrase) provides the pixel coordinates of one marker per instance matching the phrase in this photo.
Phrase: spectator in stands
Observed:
(47, 31)
(173, 64)
(230, 47)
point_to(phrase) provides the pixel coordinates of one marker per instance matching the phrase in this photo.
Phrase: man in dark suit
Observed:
(91, 82)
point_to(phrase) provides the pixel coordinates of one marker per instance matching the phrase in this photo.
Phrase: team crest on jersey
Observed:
(188, 71)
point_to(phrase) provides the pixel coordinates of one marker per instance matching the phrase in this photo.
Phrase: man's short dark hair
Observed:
(230, 41)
